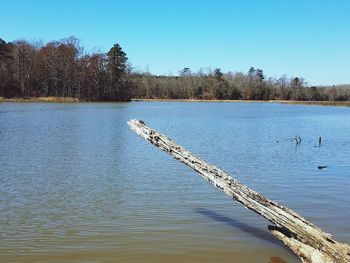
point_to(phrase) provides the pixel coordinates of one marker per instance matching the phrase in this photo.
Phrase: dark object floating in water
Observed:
(322, 167)
(276, 260)
(142, 122)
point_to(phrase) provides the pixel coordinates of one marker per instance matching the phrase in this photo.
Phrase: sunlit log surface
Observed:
(306, 240)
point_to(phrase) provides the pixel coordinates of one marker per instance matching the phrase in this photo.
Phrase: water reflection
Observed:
(254, 231)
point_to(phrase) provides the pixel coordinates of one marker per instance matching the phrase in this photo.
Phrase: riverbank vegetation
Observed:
(40, 99)
(63, 69)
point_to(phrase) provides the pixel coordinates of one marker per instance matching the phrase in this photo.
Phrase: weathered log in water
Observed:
(306, 240)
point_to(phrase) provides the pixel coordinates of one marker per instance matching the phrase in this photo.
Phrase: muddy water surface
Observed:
(77, 186)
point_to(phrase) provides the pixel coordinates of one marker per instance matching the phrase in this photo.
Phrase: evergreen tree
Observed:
(260, 75)
(118, 69)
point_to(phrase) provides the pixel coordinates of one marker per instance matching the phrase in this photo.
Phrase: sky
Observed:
(304, 38)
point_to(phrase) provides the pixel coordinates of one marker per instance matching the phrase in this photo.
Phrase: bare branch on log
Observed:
(306, 240)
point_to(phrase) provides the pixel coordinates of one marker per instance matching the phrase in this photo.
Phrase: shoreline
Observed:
(321, 103)
(41, 99)
(75, 100)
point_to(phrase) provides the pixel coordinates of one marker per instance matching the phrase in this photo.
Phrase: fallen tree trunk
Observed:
(306, 240)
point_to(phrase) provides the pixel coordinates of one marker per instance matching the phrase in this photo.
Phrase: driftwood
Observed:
(306, 240)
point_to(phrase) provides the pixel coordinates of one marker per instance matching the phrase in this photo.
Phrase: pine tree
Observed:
(117, 66)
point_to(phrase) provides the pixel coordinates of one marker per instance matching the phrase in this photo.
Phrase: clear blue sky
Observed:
(307, 38)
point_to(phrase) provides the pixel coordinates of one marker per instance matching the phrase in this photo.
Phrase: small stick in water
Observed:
(319, 141)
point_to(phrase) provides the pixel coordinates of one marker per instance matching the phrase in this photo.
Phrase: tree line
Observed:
(63, 69)
(214, 84)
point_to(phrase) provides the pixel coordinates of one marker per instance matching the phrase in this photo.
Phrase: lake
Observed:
(77, 185)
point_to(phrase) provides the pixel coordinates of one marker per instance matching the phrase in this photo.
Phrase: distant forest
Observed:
(63, 69)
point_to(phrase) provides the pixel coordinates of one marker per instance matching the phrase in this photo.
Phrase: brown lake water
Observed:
(76, 185)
